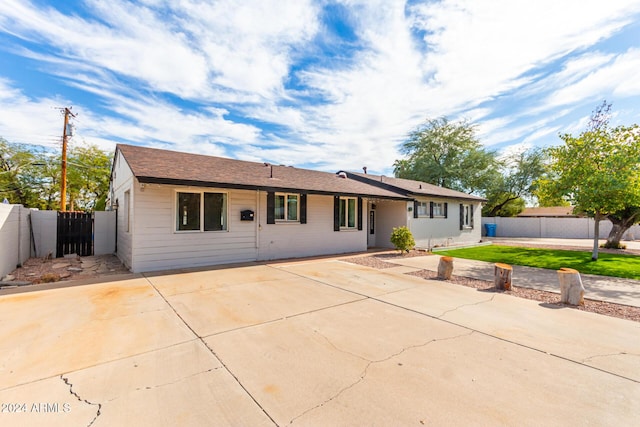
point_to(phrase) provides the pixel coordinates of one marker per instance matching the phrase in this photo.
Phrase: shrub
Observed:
(402, 239)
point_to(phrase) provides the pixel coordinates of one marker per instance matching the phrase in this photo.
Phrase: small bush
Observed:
(402, 239)
(50, 278)
(609, 245)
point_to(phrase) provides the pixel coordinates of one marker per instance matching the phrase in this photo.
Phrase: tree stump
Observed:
(445, 267)
(502, 276)
(571, 288)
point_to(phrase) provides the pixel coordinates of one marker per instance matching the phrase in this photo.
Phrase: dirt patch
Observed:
(44, 270)
(548, 298)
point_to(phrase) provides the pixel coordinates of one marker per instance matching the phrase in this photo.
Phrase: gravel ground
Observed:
(44, 270)
(548, 298)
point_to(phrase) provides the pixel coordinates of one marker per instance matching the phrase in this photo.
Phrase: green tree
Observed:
(30, 175)
(88, 172)
(18, 166)
(621, 221)
(518, 179)
(598, 171)
(447, 154)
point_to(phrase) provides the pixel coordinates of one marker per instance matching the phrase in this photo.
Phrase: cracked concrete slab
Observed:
(175, 283)
(352, 277)
(314, 357)
(474, 379)
(565, 332)
(313, 343)
(216, 310)
(46, 402)
(383, 365)
(179, 385)
(47, 333)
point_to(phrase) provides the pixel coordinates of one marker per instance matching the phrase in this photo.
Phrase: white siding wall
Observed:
(431, 232)
(157, 246)
(316, 237)
(123, 180)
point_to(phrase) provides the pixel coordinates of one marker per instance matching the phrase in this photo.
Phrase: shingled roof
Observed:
(156, 166)
(411, 188)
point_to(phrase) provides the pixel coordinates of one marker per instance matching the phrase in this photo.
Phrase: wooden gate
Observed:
(75, 234)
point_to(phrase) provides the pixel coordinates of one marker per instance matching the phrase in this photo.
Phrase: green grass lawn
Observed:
(615, 265)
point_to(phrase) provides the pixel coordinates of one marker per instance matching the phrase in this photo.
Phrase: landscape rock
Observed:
(8, 278)
(60, 265)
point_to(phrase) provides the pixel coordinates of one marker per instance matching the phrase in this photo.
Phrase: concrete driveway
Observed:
(318, 342)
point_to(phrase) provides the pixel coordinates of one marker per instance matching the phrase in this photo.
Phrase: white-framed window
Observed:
(466, 216)
(422, 208)
(201, 211)
(348, 213)
(287, 207)
(438, 210)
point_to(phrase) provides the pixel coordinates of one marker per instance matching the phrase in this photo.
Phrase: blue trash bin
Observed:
(491, 229)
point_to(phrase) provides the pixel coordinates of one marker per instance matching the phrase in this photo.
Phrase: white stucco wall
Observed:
(104, 233)
(389, 214)
(45, 230)
(15, 237)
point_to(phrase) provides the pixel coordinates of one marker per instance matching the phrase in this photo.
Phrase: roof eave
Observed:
(227, 185)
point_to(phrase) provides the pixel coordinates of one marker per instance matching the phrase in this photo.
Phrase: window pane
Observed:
(437, 209)
(215, 211)
(343, 213)
(422, 209)
(352, 213)
(279, 212)
(292, 208)
(188, 211)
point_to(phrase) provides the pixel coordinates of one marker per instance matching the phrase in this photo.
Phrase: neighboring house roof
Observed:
(554, 211)
(152, 165)
(412, 188)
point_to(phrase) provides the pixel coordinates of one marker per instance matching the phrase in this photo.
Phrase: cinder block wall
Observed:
(567, 228)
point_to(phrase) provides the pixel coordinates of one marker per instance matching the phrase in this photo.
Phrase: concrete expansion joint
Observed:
(464, 305)
(365, 371)
(99, 405)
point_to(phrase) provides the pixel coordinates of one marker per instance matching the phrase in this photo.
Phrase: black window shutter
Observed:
(303, 209)
(446, 206)
(430, 209)
(461, 216)
(336, 213)
(415, 209)
(271, 207)
(359, 213)
(471, 215)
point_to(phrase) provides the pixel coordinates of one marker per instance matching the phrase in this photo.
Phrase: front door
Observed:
(371, 230)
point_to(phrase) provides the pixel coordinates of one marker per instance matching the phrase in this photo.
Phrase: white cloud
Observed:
(618, 77)
(232, 60)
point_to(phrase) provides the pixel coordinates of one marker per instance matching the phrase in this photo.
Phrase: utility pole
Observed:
(63, 181)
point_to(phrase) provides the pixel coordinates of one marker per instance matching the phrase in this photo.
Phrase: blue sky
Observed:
(319, 84)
